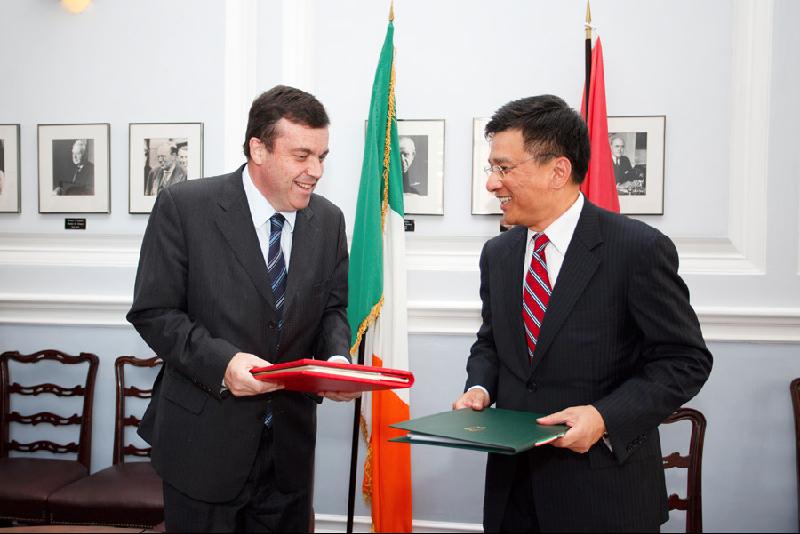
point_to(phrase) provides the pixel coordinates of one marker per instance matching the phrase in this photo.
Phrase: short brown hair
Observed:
(282, 102)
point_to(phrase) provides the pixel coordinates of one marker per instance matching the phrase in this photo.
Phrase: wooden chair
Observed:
(794, 389)
(27, 482)
(125, 494)
(692, 504)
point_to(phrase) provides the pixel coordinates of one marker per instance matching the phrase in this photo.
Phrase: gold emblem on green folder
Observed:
(493, 430)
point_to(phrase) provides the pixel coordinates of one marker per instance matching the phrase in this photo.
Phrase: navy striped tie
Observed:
(276, 267)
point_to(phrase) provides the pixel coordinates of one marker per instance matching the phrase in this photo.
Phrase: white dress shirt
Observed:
(559, 234)
(261, 211)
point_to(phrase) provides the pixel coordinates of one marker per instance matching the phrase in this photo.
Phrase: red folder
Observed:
(314, 376)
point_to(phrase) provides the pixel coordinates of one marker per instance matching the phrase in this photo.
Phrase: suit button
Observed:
(532, 386)
(272, 325)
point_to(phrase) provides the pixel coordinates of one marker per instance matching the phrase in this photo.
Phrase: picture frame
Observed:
(422, 158)
(483, 202)
(74, 168)
(159, 155)
(9, 168)
(637, 152)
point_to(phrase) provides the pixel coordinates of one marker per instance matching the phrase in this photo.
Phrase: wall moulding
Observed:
(441, 317)
(703, 256)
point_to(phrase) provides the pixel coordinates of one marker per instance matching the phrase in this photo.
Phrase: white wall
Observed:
(724, 73)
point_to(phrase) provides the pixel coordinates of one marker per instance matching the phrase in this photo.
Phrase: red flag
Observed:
(599, 186)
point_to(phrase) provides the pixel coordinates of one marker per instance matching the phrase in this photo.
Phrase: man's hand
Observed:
(240, 381)
(476, 398)
(586, 427)
(339, 396)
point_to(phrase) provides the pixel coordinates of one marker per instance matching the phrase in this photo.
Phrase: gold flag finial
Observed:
(391, 11)
(588, 21)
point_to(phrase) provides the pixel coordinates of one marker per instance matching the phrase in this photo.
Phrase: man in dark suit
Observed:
(235, 272)
(79, 180)
(168, 171)
(623, 170)
(585, 319)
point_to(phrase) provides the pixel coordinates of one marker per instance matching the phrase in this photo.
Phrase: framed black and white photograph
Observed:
(637, 152)
(162, 154)
(9, 168)
(74, 168)
(483, 202)
(422, 159)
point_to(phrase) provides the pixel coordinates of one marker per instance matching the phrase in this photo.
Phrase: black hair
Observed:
(550, 128)
(282, 102)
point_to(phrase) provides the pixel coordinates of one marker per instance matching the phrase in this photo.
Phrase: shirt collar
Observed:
(260, 208)
(560, 231)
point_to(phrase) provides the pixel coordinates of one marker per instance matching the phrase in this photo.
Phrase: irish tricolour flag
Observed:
(377, 302)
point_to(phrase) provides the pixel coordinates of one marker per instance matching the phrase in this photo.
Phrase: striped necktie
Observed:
(536, 293)
(276, 267)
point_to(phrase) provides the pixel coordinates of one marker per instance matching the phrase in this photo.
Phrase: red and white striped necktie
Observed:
(536, 293)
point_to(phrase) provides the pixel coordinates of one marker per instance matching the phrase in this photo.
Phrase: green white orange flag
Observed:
(377, 302)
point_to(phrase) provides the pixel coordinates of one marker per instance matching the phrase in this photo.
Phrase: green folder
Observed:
(491, 430)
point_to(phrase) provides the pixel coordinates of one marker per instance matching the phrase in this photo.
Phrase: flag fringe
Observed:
(366, 323)
(366, 486)
(387, 153)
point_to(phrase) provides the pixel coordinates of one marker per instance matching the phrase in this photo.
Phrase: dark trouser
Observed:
(520, 514)
(259, 507)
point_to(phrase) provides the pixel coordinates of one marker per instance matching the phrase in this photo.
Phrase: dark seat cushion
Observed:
(28, 482)
(121, 495)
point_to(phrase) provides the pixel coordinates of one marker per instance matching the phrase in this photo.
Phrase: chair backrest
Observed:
(121, 449)
(84, 446)
(794, 389)
(692, 504)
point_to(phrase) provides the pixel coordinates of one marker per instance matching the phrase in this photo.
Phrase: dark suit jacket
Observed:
(622, 170)
(80, 182)
(202, 294)
(157, 174)
(619, 334)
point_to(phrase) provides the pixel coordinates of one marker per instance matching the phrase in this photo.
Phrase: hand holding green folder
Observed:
(490, 430)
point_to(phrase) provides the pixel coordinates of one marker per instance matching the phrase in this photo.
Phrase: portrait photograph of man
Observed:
(421, 150)
(414, 158)
(73, 169)
(166, 163)
(629, 156)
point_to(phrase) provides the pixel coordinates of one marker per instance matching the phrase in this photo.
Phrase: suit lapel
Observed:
(305, 254)
(580, 264)
(236, 224)
(511, 262)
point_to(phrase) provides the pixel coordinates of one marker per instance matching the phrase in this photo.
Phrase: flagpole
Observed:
(357, 417)
(588, 59)
(351, 493)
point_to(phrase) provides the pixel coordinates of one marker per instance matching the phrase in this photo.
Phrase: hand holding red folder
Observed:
(313, 376)
(239, 380)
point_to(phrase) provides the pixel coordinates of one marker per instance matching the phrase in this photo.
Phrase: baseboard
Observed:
(361, 523)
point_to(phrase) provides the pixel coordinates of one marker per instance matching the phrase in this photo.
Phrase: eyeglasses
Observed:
(503, 170)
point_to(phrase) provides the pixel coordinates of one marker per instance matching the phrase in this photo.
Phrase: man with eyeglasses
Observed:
(585, 319)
